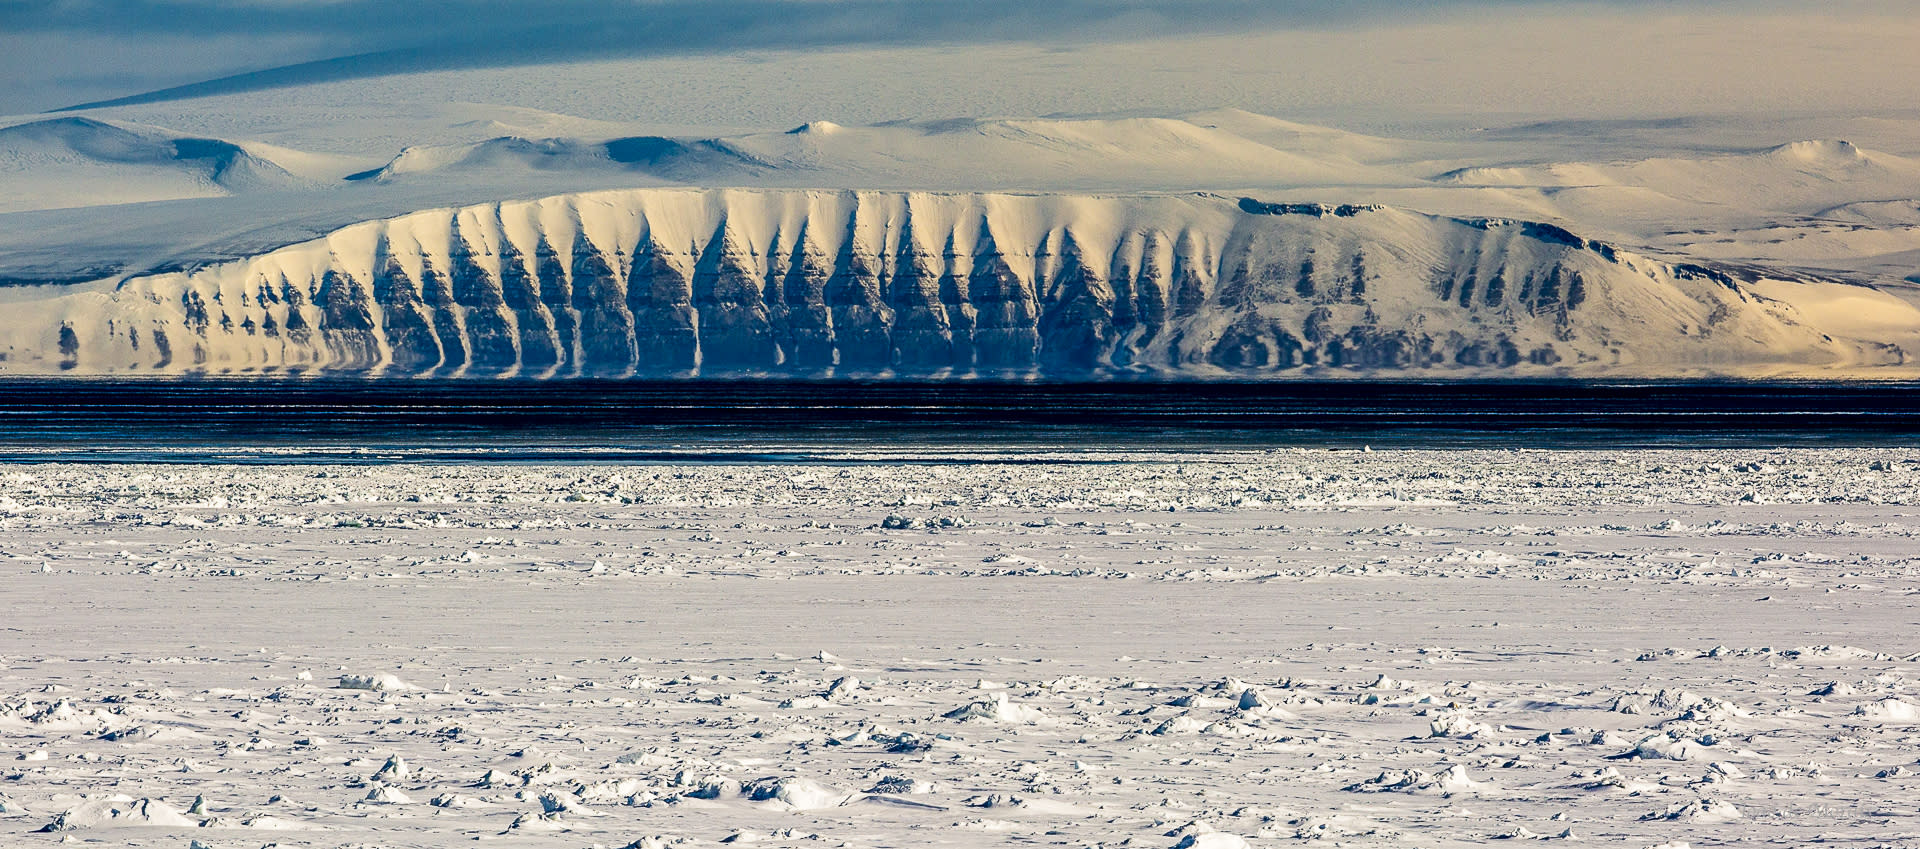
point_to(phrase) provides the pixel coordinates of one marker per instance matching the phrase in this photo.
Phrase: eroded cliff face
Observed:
(665, 282)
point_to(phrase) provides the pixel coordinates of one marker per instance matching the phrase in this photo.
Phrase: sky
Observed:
(59, 53)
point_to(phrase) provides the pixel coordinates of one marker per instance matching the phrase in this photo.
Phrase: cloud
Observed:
(520, 26)
(381, 24)
(319, 40)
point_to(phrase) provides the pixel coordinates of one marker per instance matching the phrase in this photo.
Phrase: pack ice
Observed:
(1222, 649)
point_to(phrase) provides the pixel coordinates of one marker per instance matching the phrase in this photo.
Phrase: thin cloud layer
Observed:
(378, 24)
(318, 40)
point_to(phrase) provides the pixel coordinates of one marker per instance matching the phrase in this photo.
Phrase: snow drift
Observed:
(61, 162)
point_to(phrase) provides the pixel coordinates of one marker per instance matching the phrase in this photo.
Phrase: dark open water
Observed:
(331, 420)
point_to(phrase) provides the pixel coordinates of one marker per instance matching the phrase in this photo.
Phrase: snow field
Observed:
(1199, 650)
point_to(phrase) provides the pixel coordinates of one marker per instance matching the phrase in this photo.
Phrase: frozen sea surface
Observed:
(1389, 648)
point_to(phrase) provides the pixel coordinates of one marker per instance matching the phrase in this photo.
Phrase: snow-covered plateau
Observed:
(1218, 244)
(1205, 649)
(672, 282)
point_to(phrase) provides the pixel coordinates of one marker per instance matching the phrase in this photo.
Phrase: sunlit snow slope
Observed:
(77, 162)
(676, 282)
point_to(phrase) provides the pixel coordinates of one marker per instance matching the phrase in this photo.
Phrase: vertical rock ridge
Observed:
(492, 335)
(862, 322)
(415, 348)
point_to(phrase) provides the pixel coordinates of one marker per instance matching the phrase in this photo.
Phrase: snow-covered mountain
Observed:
(751, 282)
(1800, 177)
(79, 228)
(1218, 149)
(79, 162)
(1000, 247)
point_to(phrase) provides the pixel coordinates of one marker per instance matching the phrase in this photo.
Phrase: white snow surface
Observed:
(1215, 649)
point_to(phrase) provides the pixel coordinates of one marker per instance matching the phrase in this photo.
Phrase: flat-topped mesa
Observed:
(687, 282)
